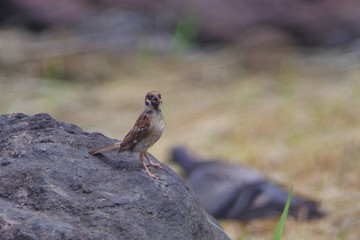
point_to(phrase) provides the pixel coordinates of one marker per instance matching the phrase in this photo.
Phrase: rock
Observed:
(238, 192)
(51, 188)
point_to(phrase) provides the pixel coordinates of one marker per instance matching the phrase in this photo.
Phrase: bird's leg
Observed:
(151, 162)
(146, 168)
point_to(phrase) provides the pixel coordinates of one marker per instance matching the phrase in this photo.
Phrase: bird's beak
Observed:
(156, 101)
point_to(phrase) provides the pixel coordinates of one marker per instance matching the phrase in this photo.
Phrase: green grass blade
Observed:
(281, 224)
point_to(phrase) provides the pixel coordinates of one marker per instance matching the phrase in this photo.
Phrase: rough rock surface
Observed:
(51, 188)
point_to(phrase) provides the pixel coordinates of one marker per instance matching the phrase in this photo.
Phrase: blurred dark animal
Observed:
(229, 191)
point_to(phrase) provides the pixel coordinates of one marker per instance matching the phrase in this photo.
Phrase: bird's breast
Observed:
(157, 126)
(156, 129)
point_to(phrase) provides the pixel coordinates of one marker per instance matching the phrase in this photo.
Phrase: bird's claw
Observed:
(151, 175)
(154, 165)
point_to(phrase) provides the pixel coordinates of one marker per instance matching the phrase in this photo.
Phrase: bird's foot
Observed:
(151, 163)
(154, 165)
(151, 174)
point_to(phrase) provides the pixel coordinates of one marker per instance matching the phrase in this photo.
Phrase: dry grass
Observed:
(300, 126)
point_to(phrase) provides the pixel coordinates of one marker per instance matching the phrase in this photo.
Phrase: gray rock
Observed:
(51, 188)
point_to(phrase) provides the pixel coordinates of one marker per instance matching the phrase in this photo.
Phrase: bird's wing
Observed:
(139, 131)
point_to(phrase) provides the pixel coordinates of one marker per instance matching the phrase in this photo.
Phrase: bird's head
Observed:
(153, 100)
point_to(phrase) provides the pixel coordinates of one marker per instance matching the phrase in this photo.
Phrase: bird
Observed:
(146, 131)
(234, 191)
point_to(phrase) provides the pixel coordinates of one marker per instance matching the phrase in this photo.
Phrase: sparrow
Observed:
(238, 192)
(146, 131)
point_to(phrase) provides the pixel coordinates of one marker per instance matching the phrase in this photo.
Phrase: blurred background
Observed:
(273, 84)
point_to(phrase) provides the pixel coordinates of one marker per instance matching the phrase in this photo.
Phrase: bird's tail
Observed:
(105, 148)
(301, 208)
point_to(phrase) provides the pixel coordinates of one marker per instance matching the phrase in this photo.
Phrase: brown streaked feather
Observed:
(105, 148)
(139, 131)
